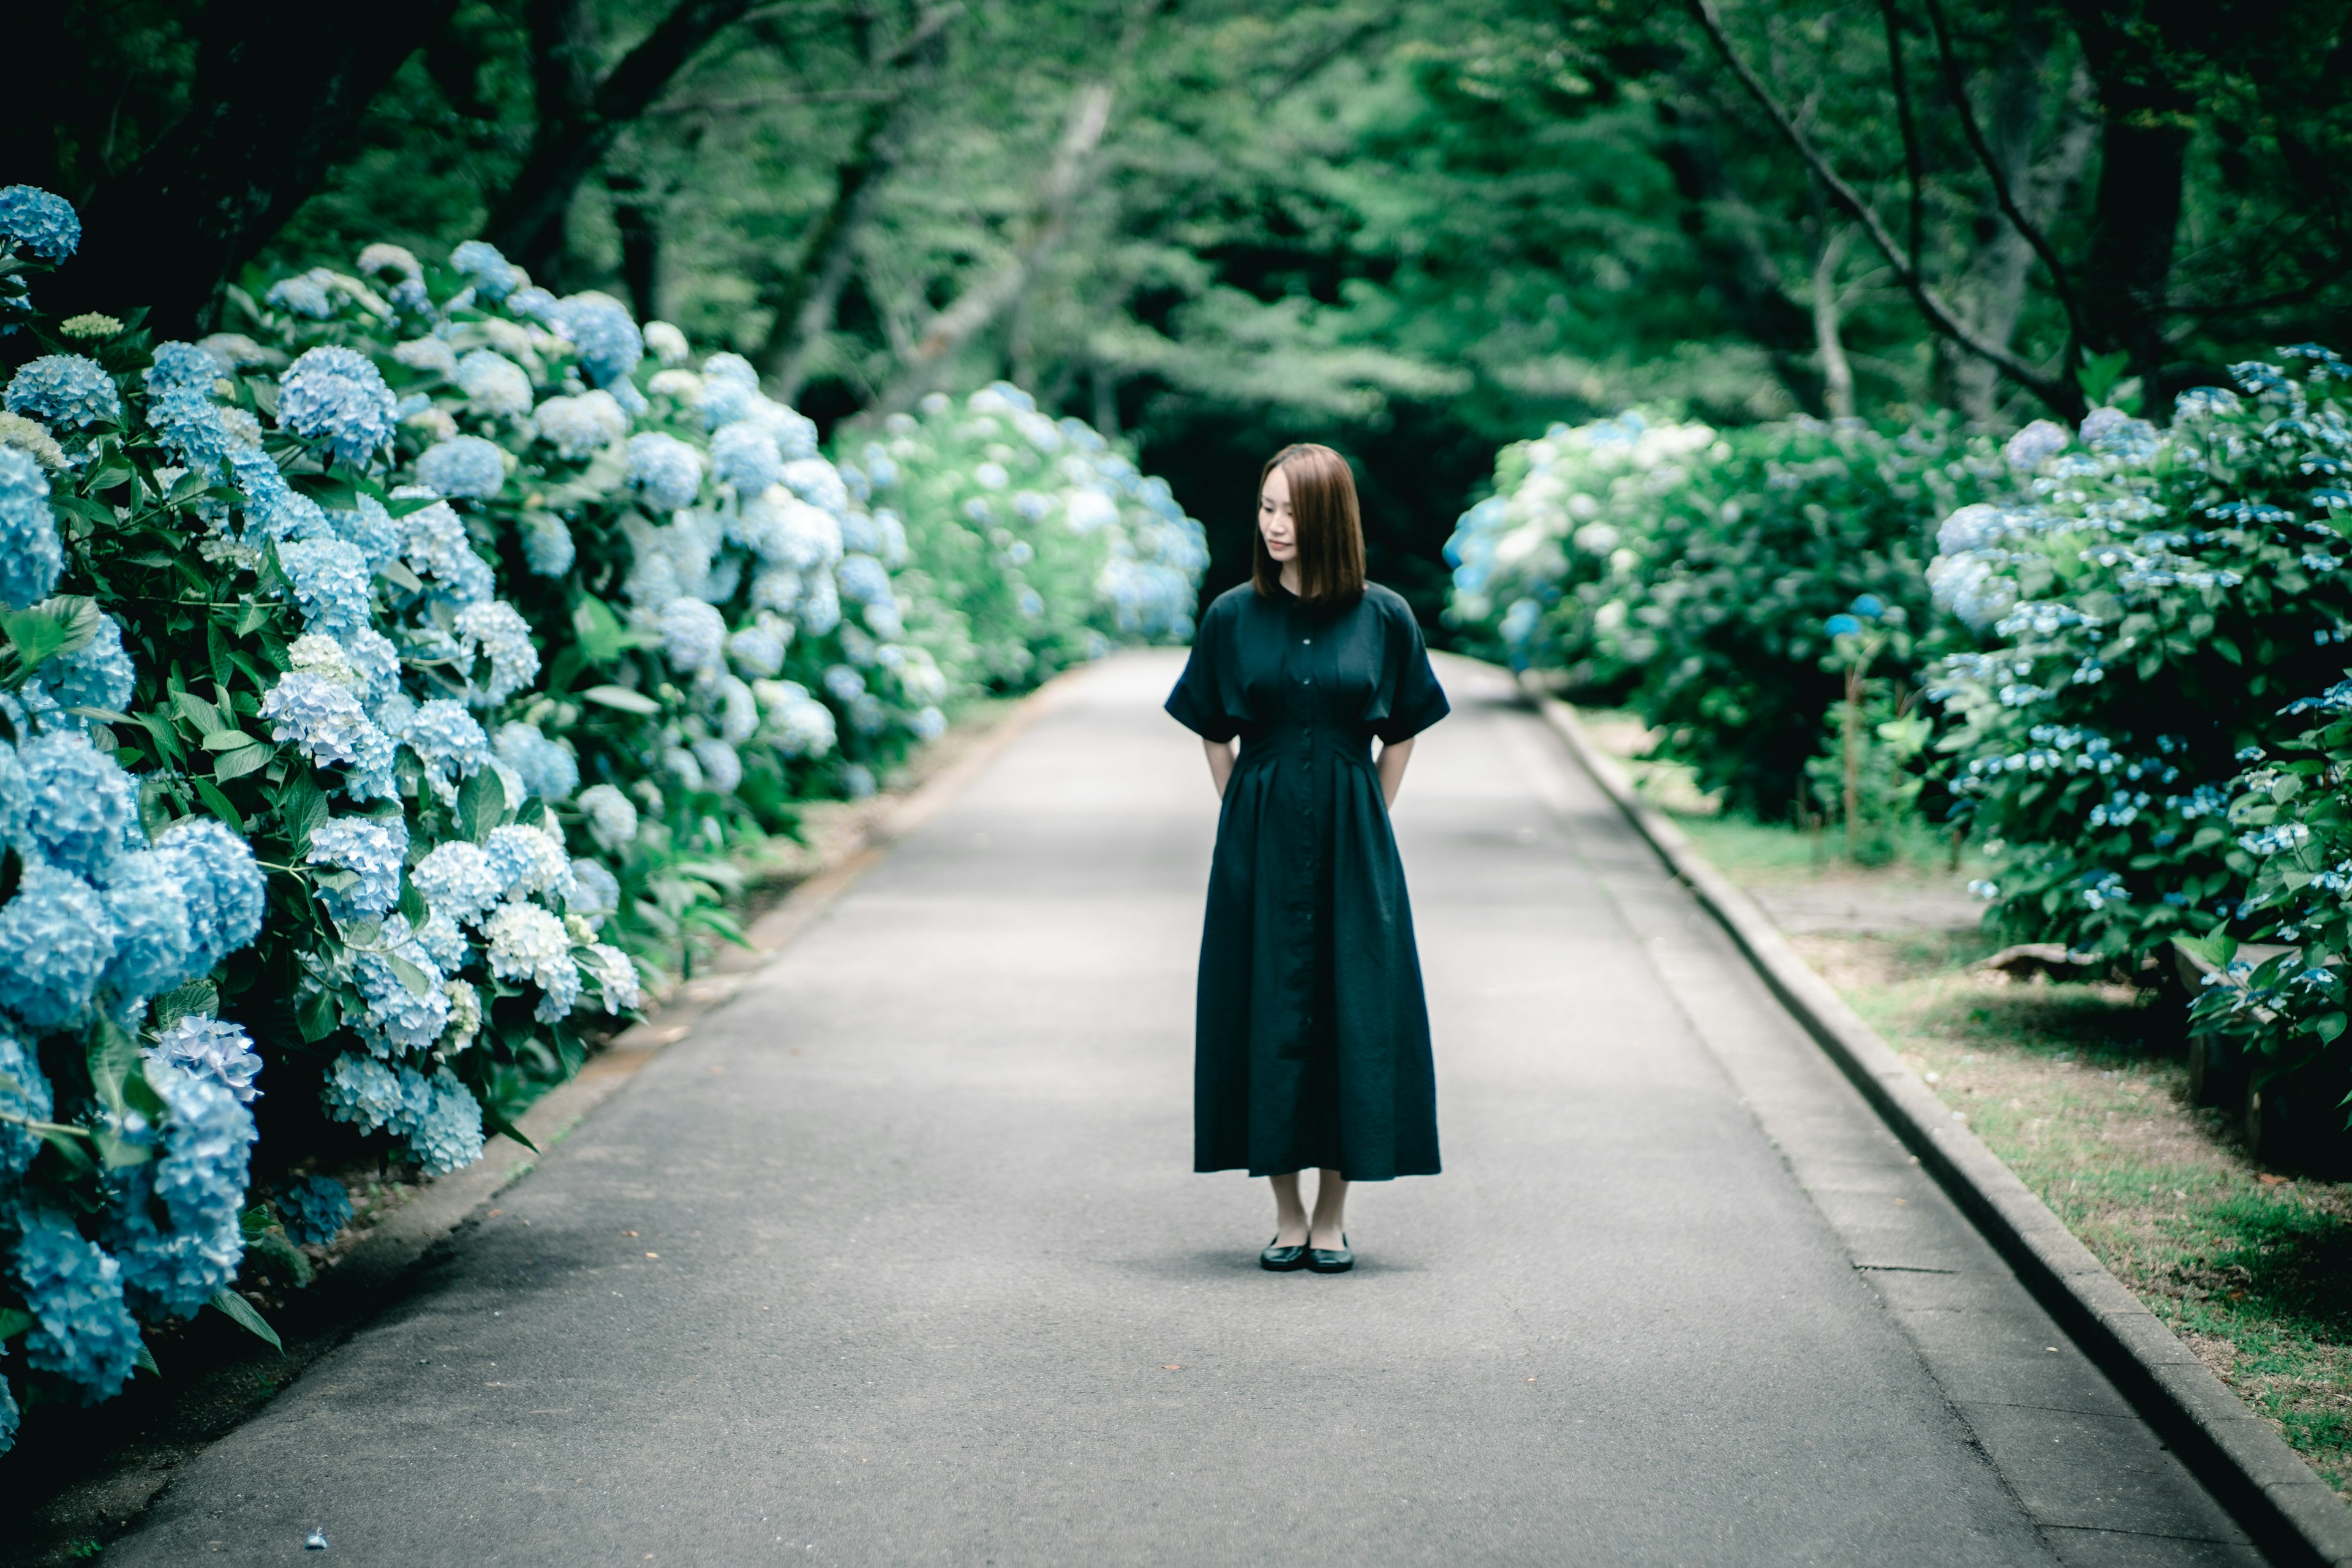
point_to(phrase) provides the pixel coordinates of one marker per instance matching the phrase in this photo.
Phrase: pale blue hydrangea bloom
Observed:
(667, 470)
(31, 555)
(694, 636)
(181, 367)
(96, 675)
(547, 547)
(65, 390)
(435, 542)
(174, 1222)
(494, 384)
(744, 456)
(149, 909)
(803, 726)
(36, 221)
(547, 771)
(463, 466)
(820, 607)
(528, 861)
(722, 769)
(371, 531)
(818, 482)
(680, 766)
(331, 584)
(448, 1136)
(758, 649)
(433, 354)
(452, 746)
(609, 342)
(578, 426)
(397, 1020)
(25, 1093)
(372, 847)
(845, 684)
(857, 781)
(82, 1331)
(612, 816)
(494, 276)
(496, 630)
(314, 1209)
(56, 939)
(83, 805)
(9, 1419)
(615, 974)
(458, 880)
(374, 1097)
(865, 579)
(528, 942)
(222, 1052)
(304, 294)
(181, 410)
(227, 891)
(595, 893)
(323, 719)
(338, 395)
(2036, 444)
(739, 712)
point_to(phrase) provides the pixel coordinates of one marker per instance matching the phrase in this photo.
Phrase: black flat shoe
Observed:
(1283, 1259)
(1331, 1259)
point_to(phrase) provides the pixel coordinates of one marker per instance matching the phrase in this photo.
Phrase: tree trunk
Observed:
(279, 92)
(636, 213)
(1837, 374)
(528, 222)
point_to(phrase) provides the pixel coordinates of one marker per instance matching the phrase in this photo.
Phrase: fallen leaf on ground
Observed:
(1171, 1369)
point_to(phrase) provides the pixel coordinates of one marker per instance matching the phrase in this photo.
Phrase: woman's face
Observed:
(1275, 523)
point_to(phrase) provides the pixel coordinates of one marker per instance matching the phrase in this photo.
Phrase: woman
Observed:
(1312, 1040)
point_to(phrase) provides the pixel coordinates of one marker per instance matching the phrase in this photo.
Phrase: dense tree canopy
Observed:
(1411, 229)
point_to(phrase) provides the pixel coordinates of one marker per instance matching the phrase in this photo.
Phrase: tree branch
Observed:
(1956, 89)
(1913, 163)
(2059, 395)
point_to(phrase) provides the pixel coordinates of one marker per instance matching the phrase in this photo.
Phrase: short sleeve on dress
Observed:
(1415, 699)
(1196, 703)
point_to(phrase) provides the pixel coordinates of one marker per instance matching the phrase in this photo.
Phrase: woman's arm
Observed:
(1394, 755)
(1221, 764)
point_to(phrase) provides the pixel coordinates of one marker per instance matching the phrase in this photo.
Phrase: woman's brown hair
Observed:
(1326, 523)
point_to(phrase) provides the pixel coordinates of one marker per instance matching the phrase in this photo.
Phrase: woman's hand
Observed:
(1394, 755)
(1221, 764)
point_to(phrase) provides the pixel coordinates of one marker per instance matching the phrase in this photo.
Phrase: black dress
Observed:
(1311, 1045)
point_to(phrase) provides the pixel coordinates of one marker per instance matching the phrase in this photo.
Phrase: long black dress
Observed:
(1311, 1045)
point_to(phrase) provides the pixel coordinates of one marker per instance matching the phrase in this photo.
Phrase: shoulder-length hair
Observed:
(1328, 525)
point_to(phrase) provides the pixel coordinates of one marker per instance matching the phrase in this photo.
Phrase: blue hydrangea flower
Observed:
(819, 483)
(845, 683)
(458, 880)
(496, 630)
(452, 746)
(222, 1052)
(547, 547)
(612, 816)
(374, 665)
(188, 422)
(694, 636)
(865, 579)
(1842, 624)
(83, 803)
(494, 276)
(65, 390)
(371, 531)
(579, 426)
(82, 1331)
(739, 712)
(338, 395)
(609, 342)
(96, 675)
(435, 542)
(226, 889)
(56, 939)
(175, 1225)
(313, 1209)
(34, 220)
(181, 367)
(494, 384)
(525, 942)
(150, 911)
(306, 294)
(616, 976)
(323, 719)
(744, 456)
(374, 848)
(26, 1094)
(397, 1020)
(31, 553)
(722, 769)
(595, 894)
(758, 648)
(448, 1136)
(547, 770)
(528, 861)
(667, 470)
(376, 1097)
(463, 466)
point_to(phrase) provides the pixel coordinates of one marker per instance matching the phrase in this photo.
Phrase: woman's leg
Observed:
(1289, 1212)
(1329, 1228)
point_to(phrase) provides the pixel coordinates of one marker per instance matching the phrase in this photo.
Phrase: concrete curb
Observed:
(2291, 1515)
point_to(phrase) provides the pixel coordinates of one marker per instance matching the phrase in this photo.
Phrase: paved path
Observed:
(935, 1283)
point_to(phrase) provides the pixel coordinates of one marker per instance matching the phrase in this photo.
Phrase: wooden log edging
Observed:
(2291, 1514)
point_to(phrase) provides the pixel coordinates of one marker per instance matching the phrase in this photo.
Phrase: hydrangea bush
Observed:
(1692, 575)
(2155, 603)
(386, 685)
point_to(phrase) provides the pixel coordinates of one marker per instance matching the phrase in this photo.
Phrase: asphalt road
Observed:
(898, 1257)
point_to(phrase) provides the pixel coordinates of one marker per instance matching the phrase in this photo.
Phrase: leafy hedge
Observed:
(387, 687)
(1692, 575)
